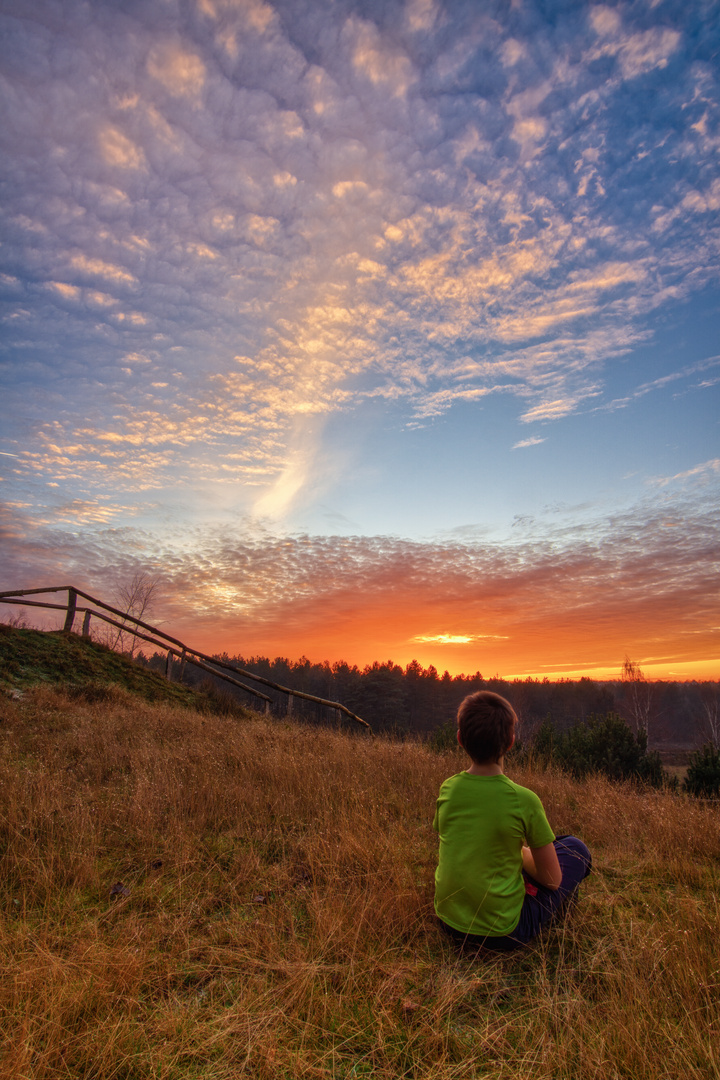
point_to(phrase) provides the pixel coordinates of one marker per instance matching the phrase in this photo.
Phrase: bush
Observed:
(541, 747)
(444, 737)
(600, 744)
(703, 775)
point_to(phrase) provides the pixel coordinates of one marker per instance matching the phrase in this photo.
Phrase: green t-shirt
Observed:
(483, 822)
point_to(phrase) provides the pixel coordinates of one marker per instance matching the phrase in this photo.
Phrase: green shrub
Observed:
(444, 737)
(602, 744)
(541, 747)
(703, 775)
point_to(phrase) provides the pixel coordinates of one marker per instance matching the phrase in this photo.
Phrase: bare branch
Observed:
(137, 599)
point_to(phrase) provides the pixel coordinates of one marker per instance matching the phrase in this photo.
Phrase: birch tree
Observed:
(710, 713)
(638, 695)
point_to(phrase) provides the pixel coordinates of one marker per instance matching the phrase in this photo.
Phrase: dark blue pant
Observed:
(540, 909)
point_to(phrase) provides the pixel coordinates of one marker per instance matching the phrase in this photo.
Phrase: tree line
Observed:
(418, 700)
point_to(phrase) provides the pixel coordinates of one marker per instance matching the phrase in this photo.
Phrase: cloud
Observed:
(227, 221)
(421, 14)
(512, 52)
(666, 380)
(551, 410)
(384, 65)
(119, 150)
(705, 472)
(69, 292)
(614, 585)
(179, 70)
(96, 267)
(637, 52)
(533, 441)
(281, 495)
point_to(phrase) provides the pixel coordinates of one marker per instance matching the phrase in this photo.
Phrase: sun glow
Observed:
(455, 639)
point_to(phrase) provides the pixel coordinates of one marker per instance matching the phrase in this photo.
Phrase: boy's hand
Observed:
(541, 864)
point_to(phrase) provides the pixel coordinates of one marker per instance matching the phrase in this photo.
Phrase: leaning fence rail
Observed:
(157, 637)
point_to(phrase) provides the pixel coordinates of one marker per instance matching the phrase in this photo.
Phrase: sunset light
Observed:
(369, 331)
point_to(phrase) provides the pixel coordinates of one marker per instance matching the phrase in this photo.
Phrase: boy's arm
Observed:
(541, 864)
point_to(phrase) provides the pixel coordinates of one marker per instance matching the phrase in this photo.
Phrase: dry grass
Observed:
(276, 919)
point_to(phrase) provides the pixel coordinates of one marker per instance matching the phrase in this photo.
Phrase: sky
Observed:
(371, 330)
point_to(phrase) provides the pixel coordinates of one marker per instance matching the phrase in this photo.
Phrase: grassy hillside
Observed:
(193, 898)
(32, 657)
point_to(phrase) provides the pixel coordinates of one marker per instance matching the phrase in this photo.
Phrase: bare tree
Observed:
(638, 696)
(710, 712)
(136, 598)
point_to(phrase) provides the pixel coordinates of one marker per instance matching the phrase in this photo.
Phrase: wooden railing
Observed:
(175, 648)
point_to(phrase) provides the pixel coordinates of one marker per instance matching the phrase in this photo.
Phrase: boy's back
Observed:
(483, 822)
(502, 875)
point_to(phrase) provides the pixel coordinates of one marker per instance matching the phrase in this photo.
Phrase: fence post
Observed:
(86, 625)
(182, 665)
(168, 665)
(290, 704)
(70, 617)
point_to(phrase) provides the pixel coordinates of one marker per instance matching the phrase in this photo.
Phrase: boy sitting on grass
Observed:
(502, 874)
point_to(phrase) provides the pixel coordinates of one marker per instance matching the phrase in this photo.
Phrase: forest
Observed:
(675, 716)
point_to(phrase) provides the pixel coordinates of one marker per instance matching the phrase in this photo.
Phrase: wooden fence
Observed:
(175, 648)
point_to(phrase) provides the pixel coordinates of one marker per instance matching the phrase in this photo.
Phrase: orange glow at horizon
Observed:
(532, 620)
(674, 669)
(562, 652)
(518, 611)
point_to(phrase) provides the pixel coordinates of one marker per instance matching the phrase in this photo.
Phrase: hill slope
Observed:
(33, 657)
(195, 899)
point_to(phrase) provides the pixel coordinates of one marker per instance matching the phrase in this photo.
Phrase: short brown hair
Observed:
(486, 723)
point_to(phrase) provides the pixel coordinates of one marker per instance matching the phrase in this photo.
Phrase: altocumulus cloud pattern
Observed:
(247, 244)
